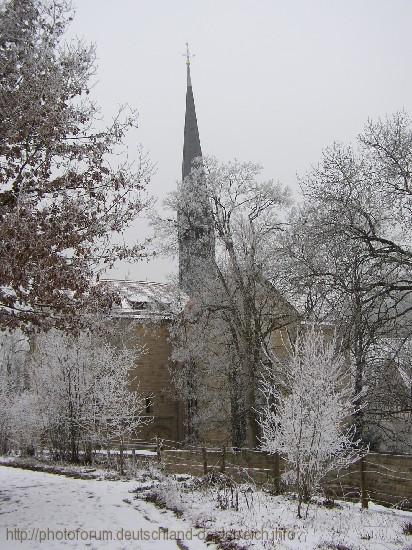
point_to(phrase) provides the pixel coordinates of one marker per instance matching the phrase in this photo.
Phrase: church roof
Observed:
(146, 300)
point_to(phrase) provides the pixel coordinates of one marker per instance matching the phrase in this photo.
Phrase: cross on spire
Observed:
(188, 55)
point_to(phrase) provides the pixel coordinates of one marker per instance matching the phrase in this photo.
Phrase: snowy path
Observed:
(36, 508)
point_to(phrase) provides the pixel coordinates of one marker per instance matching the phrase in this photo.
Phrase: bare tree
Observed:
(335, 260)
(232, 298)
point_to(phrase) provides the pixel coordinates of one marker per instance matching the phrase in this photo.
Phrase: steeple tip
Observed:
(188, 57)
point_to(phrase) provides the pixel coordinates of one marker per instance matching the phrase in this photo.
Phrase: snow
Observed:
(264, 521)
(46, 511)
(145, 299)
(42, 506)
(38, 510)
(137, 452)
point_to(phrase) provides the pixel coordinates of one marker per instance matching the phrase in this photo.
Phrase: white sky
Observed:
(274, 81)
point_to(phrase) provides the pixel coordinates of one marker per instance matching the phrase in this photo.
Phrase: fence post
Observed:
(121, 459)
(133, 456)
(204, 455)
(244, 462)
(223, 464)
(364, 492)
(158, 450)
(276, 473)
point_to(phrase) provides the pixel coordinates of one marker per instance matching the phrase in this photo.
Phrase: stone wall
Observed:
(152, 378)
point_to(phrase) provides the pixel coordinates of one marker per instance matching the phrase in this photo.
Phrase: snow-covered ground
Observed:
(264, 521)
(46, 511)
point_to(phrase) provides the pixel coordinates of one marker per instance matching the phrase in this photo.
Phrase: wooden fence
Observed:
(383, 478)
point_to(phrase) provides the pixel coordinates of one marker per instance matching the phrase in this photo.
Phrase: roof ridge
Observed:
(134, 281)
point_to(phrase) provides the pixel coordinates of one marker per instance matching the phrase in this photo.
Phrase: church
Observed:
(147, 309)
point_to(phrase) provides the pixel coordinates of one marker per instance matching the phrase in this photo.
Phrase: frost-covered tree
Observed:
(403, 361)
(385, 210)
(346, 256)
(14, 348)
(308, 411)
(82, 387)
(207, 376)
(389, 380)
(65, 191)
(23, 418)
(335, 279)
(233, 301)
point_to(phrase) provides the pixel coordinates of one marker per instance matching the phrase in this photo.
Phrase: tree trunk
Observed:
(238, 421)
(121, 459)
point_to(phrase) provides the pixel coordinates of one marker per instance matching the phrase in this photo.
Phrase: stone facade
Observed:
(152, 379)
(141, 322)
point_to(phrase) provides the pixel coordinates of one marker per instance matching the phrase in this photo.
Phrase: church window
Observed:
(148, 405)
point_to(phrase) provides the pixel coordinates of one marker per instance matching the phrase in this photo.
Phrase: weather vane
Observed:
(188, 55)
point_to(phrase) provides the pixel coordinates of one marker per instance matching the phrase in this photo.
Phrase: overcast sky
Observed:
(274, 81)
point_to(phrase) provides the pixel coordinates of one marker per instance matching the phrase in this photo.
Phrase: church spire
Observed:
(195, 227)
(191, 145)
